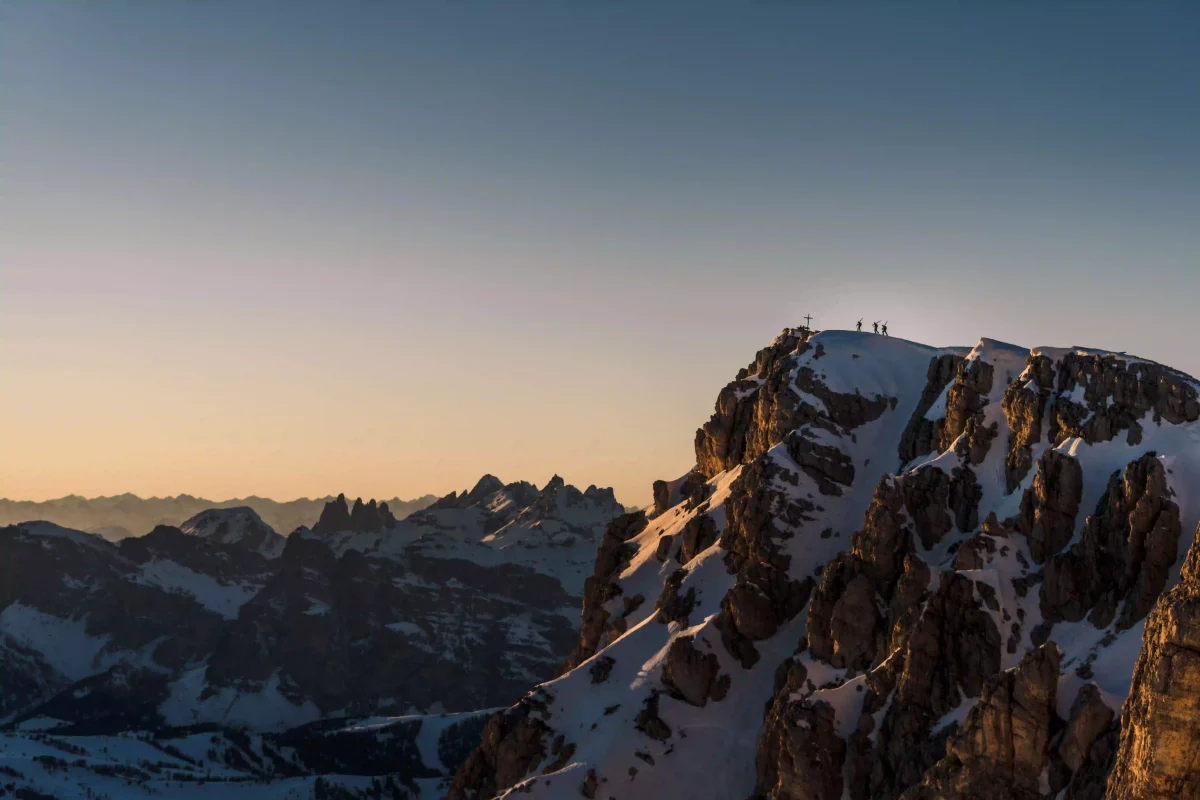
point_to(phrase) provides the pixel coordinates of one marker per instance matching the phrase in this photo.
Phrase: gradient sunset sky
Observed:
(292, 249)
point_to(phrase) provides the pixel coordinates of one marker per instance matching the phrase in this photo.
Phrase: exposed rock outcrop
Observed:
(1124, 554)
(699, 534)
(1001, 750)
(951, 649)
(335, 517)
(1159, 755)
(926, 498)
(369, 517)
(920, 435)
(1049, 508)
(1071, 749)
(661, 490)
(1024, 404)
(759, 516)
(673, 606)
(801, 756)
(691, 490)
(846, 627)
(691, 673)
(754, 411)
(766, 403)
(600, 587)
(965, 401)
(1117, 394)
(832, 469)
(513, 742)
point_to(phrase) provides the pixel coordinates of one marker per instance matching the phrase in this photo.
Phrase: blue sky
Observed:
(300, 248)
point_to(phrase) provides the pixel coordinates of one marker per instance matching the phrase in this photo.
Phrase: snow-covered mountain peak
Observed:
(238, 525)
(875, 535)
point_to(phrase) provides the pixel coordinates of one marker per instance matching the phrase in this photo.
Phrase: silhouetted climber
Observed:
(859, 326)
(875, 325)
(885, 328)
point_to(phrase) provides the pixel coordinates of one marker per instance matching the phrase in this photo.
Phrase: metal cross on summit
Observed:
(808, 321)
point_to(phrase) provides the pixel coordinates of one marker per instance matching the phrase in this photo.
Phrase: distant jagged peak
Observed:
(487, 485)
(604, 495)
(491, 494)
(337, 516)
(564, 504)
(369, 516)
(502, 502)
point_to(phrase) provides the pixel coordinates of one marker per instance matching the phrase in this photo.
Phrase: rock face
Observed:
(810, 758)
(845, 624)
(1048, 509)
(1124, 554)
(512, 743)
(601, 588)
(759, 517)
(1089, 395)
(1090, 717)
(965, 401)
(1002, 748)
(691, 673)
(368, 517)
(1161, 719)
(771, 397)
(699, 534)
(1024, 407)
(1117, 393)
(754, 411)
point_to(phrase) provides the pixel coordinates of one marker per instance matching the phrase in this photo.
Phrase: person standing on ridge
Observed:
(885, 328)
(859, 326)
(875, 325)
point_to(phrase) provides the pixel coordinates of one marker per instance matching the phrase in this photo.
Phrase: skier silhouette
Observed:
(885, 328)
(875, 325)
(859, 326)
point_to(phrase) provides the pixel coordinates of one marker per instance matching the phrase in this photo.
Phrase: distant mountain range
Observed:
(359, 655)
(124, 515)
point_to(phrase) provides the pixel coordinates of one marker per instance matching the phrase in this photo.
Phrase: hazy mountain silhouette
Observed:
(125, 515)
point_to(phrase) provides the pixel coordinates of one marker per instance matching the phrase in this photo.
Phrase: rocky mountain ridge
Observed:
(121, 516)
(224, 627)
(895, 571)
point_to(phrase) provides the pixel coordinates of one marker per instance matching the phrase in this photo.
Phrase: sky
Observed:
(294, 249)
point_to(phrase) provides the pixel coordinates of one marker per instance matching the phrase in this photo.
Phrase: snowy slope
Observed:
(829, 460)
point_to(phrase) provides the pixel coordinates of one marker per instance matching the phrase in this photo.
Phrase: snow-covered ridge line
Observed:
(868, 607)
